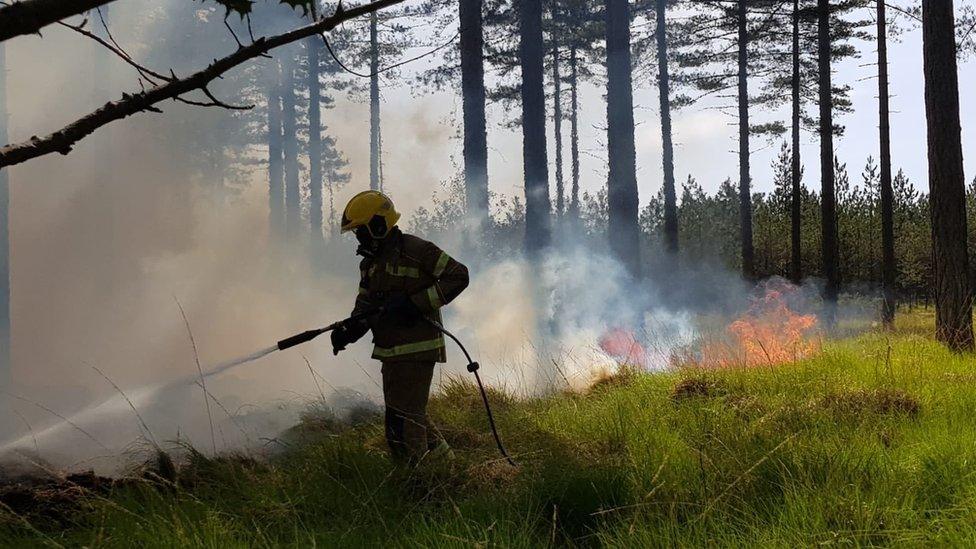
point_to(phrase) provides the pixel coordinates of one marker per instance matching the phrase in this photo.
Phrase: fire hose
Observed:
(472, 367)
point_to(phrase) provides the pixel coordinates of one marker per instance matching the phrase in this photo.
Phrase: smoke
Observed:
(106, 239)
(536, 324)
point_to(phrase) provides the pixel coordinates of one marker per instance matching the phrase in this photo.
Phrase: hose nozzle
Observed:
(298, 339)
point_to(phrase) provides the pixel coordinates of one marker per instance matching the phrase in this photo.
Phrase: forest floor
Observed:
(870, 442)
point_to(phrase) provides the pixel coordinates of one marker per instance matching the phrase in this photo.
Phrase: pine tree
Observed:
(464, 68)
(796, 253)
(828, 205)
(889, 268)
(336, 174)
(473, 104)
(622, 184)
(276, 181)
(582, 34)
(375, 182)
(313, 46)
(953, 295)
(914, 244)
(371, 47)
(794, 36)
(664, 93)
(5, 365)
(290, 147)
(557, 31)
(531, 53)
(832, 30)
(725, 60)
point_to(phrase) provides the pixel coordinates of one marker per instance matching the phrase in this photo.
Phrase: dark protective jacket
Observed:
(408, 265)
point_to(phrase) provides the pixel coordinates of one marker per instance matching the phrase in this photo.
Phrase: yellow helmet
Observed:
(371, 209)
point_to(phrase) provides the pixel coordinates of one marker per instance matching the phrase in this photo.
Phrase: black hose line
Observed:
(473, 368)
(472, 365)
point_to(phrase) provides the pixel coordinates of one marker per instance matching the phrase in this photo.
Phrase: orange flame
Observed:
(768, 333)
(623, 346)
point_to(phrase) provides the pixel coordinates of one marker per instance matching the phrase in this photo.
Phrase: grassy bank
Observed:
(872, 442)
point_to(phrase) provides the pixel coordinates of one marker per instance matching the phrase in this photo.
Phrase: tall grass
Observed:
(871, 442)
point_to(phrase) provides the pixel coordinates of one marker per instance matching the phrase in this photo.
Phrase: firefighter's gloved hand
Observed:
(400, 309)
(350, 331)
(341, 337)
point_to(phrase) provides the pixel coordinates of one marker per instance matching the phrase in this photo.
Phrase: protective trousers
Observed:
(406, 390)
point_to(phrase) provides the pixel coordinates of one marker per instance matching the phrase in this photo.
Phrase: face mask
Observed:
(368, 246)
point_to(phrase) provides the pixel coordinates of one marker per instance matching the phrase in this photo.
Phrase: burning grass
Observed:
(772, 331)
(869, 441)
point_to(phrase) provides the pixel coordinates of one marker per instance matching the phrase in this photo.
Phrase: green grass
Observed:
(872, 442)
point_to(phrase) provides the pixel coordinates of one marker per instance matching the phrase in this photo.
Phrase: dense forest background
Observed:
(708, 224)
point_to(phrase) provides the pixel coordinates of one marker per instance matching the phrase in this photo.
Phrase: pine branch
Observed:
(63, 140)
(29, 16)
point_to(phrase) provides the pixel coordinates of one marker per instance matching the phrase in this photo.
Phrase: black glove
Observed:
(348, 332)
(401, 310)
(341, 337)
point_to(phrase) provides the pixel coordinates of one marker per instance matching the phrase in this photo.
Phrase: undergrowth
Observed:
(871, 442)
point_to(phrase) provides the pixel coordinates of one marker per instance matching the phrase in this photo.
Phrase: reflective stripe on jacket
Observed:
(412, 266)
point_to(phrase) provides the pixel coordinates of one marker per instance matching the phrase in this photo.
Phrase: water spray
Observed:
(132, 400)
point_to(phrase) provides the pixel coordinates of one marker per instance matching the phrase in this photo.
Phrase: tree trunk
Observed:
(374, 107)
(947, 186)
(557, 117)
(745, 194)
(312, 46)
(5, 366)
(622, 199)
(574, 133)
(276, 184)
(473, 104)
(531, 52)
(888, 265)
(796, 197)
(828, 204)
(290, 147)
(664, 90)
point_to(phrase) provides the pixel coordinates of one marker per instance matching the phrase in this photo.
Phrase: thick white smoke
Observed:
(548, 316)
(105, 240)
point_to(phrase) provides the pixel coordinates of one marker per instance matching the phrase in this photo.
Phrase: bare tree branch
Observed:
(218, 103)
(150, 75)
(29, 16)
(64, 139)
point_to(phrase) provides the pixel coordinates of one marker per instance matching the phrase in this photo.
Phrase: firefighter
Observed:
(411, 279)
